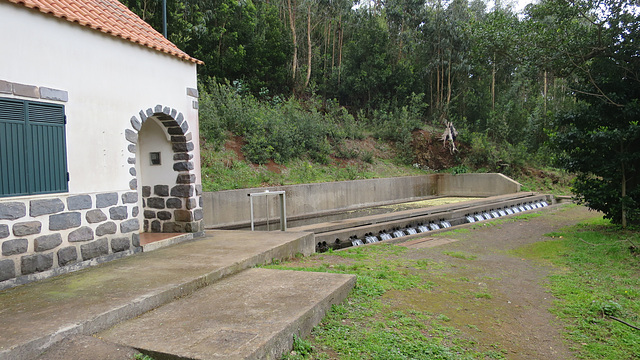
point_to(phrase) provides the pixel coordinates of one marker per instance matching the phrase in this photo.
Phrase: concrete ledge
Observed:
(40, 314)
(262, 311)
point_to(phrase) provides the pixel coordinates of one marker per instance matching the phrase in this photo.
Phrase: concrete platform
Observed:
(251, 315)
(37, 315)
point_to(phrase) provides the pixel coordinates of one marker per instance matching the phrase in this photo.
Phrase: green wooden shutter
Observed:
(32, 148)
(13, 159)
(47, 169)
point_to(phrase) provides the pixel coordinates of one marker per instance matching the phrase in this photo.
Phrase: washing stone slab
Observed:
(251, 315)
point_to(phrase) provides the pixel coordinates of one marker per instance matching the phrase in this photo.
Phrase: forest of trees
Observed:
(558, 84)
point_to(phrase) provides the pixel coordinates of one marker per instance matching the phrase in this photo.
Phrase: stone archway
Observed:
(171, 202)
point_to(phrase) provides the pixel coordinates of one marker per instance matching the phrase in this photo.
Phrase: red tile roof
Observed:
(110, 17)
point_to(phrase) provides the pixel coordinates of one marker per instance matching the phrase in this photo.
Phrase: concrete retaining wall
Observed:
(232, 207)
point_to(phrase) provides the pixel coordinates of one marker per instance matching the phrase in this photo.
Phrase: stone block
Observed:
(183, 215)
(106, 200)
(176, 130)
(193, 92)
(54, 94)
(183, 147)
(178, 139)
(146, 225)
(131, 136)
(174, 203)
(45, 207)
(161, 190)
(182, 191)
(30, 264)
(16, 246)
(195, 104)
(4, 231)
(118, 213)
(130, 197)
(26, 90)
(198, 214)
(182, 156)
(185, 127)
(157, 109)
(146, 191)
(149, 214)
(12, 210)
(156, 226)
(179, 118)
(79, 202)
(5, 88)
(164, 215)
(129, 226)
(85, 233)
(183, 166)
(192, 227)
(95, 216)
(156, 203)
(94, 249)
(191, 203)
(132, 148)
(7, 270)
(172, 227)
(186, 179)
(201, 201)
(67, 255)
(133, 184)
(131, 161)
(47, 242)
(65, 221)
(135, 240)
(135, 211)
(135, 123)
(106, 228)
(198, 189)
(120, 244)
(27, 228)
(132, 171)
(143, 116)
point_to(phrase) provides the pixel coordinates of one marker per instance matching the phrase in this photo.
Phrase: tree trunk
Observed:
(623, 191)
(340, 35)
(493, 83)
(306, 82)
(292, 25)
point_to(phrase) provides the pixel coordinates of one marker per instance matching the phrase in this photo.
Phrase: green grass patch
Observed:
(598, 278)
(362, 327)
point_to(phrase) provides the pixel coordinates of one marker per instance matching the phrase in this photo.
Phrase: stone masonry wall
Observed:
(172, 209)
(45, 234)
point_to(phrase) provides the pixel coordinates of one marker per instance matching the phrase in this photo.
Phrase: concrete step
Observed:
(37, 315)
(251, 315)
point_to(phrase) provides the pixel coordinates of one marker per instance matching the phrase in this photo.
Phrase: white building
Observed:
(98, 136)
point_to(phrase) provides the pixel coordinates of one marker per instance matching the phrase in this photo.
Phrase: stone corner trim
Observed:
(32, 91)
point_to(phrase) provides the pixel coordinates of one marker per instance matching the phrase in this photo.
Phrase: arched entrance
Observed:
(163, 171)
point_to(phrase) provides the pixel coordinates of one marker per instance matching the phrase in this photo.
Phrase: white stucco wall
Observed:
(108, 81)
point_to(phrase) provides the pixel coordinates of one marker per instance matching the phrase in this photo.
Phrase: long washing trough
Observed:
(355, 213)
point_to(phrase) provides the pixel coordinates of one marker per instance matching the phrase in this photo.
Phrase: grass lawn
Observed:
(596, 277)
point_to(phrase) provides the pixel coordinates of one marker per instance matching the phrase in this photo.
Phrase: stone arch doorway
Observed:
(162, 171)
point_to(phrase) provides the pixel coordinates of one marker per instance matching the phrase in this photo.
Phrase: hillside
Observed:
(227, 167)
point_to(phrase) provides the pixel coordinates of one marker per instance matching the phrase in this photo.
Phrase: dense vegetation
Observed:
(554, 86)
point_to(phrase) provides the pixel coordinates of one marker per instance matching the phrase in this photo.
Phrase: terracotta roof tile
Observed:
(110, 17)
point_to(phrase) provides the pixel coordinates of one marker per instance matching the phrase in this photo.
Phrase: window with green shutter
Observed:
(33, 155)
